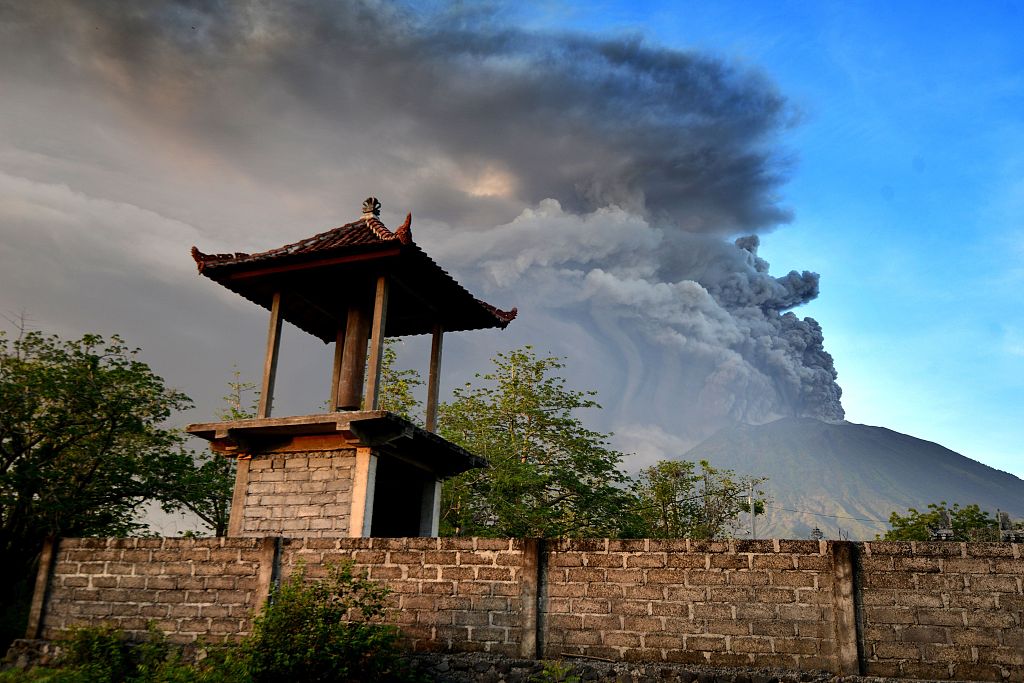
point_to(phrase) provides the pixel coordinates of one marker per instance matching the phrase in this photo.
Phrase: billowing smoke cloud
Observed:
(711, 301)
(594, 180)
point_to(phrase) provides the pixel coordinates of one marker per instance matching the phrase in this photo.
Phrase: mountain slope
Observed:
(851, 470)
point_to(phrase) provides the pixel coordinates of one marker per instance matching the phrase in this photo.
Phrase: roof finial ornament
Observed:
(371, 208)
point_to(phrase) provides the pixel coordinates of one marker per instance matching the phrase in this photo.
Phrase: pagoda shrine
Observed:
(355, 470)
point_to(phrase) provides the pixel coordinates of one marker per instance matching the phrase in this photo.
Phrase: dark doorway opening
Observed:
(398, 498)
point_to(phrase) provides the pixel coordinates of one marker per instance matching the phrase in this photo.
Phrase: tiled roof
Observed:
(368, 230)
(366, 237)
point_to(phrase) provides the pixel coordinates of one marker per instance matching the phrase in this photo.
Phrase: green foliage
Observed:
(203, 484)
(82, 442)
(397, 386)
(969, 523)
(549, 476)
(242, 399)
(100, 653)
(556, 671)
(682, 499)
(327, 630)
(47, 675)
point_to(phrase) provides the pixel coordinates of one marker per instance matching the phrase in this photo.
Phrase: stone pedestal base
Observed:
(360, 473)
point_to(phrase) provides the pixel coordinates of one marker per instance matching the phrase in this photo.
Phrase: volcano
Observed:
(846, 478)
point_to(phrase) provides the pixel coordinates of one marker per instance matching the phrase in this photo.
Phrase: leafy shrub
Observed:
(97, 653)
(556, 672)
(102, 655)
(326, 630)
(156, 661)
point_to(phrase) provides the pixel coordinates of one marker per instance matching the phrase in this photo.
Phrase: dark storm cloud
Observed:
(493, 117)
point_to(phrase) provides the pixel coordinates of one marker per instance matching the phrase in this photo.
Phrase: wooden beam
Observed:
(380, 318)
(434, 379)
(353, 360)
(270, 362)
(339, 347)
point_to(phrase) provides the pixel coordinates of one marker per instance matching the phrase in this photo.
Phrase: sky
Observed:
(624, 173)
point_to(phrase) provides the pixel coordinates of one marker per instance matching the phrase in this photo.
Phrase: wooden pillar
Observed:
(380, 319)
(339, 347)
(353, 361)
(434, 378)
(270, 362)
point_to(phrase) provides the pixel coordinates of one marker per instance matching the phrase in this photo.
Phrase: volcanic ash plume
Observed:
(595, 181)
(712, 303)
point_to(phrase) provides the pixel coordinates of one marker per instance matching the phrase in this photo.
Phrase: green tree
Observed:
(549, 475)
(397, 386)
(82, 442)
(969, 523)
(683, 499)
(205, 481)
(202, 483)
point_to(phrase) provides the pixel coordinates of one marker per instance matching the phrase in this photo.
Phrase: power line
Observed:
(822, 514)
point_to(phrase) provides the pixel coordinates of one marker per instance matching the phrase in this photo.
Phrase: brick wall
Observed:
(915, 610)
(187, 587)
(943, 610)
(727, 603)
(299, 494)
(447, 594)
(460, 594)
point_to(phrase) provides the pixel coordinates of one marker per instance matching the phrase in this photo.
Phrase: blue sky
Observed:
(908, 194)
(125, 138)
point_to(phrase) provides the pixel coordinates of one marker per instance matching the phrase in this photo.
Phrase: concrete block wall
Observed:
(463, 594)
(943, 610)
(188, 588)
(298, 494)
(724, 603)
(937, 611)
(446, 594)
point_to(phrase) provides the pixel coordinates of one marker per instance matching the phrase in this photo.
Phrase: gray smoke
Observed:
(469, 118)
(749, 358)
(587, 179)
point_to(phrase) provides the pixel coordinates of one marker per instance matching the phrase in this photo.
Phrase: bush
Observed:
(327, 630)
(98, 654)
(102, 655)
